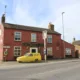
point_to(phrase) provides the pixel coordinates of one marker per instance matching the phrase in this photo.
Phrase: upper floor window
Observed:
(17, 36)
(33, 37)
(49, 38)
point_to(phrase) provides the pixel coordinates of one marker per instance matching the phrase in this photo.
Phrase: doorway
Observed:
(33, 50)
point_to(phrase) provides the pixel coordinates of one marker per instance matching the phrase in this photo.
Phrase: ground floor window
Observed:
(68, 51)
(17, 50)
(49, 51)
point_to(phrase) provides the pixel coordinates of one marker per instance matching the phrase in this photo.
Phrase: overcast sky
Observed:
(40, 12)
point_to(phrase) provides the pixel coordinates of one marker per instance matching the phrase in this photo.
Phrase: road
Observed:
(67, 70)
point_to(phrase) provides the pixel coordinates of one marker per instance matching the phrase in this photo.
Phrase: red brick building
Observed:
(19, 39)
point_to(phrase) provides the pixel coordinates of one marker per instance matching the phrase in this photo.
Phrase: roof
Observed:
(67, 42)
(76, 42)
(31, 28)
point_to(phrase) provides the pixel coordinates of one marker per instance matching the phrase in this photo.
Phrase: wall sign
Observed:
(6, 46)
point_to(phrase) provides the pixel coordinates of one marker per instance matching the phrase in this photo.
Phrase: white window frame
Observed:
(15, 35)
(33, 48)
(33, 40)
(49, 37)
(17, 53)
(51, 51)
(68, 51)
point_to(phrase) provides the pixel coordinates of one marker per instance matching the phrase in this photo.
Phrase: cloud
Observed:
(40, 13)
(71, 21)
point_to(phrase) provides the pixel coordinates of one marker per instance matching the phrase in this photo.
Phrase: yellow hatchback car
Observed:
(29, 57)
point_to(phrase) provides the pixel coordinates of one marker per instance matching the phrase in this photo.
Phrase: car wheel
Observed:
(36, 60)
(20, 62)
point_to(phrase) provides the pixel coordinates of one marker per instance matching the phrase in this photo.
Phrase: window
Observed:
(17, 50)
(17, 36)
(68, 51)
(30, 54)
(49, 51)
(33, 37)
(49, 39)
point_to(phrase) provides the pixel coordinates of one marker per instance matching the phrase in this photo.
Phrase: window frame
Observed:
(68, 51)
(17, 49)
(48, 38)
(19, 35)
(33, 40)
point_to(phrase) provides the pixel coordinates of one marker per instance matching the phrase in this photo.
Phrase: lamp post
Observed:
(45, 38)
(63, 33)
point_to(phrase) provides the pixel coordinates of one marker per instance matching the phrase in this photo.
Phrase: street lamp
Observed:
(44, 34)
(63, 33)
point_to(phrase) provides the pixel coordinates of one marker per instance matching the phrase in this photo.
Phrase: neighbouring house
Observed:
(19, 39)
(76, 43)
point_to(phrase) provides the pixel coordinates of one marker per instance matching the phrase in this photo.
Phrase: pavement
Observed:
(15, 64)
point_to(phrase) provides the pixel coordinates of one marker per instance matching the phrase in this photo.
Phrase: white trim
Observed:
(20, 35)
(14, 49)
(33, 48)
(6, 46)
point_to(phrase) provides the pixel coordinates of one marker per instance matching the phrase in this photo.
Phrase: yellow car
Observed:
(29, 57)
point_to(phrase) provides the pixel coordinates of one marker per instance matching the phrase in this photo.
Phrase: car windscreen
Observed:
(27, 54)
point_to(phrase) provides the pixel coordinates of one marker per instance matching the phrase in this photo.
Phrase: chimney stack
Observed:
(51, 26)
(3, 18)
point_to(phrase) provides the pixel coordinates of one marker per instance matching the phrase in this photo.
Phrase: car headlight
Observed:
(18, 59)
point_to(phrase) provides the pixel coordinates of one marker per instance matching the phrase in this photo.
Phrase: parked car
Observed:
(29, 57)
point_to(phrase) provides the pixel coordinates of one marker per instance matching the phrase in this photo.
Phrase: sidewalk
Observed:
(15, 64)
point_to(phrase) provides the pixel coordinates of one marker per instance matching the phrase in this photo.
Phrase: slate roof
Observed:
(76, 42)
(31, 28)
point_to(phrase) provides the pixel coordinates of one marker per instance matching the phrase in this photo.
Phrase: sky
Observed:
(39, 13)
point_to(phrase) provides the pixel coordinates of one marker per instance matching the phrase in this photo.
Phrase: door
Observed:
(33, 50)
(30, 57)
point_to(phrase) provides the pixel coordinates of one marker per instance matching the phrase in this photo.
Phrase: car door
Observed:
(30, 57)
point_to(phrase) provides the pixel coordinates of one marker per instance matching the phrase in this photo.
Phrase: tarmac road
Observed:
(62, 70)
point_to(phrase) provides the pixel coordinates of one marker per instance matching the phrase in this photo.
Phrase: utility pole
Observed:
(63, 33)
(44, 34)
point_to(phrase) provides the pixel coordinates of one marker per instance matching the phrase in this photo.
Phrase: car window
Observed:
(30, 55)
(27, 54)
